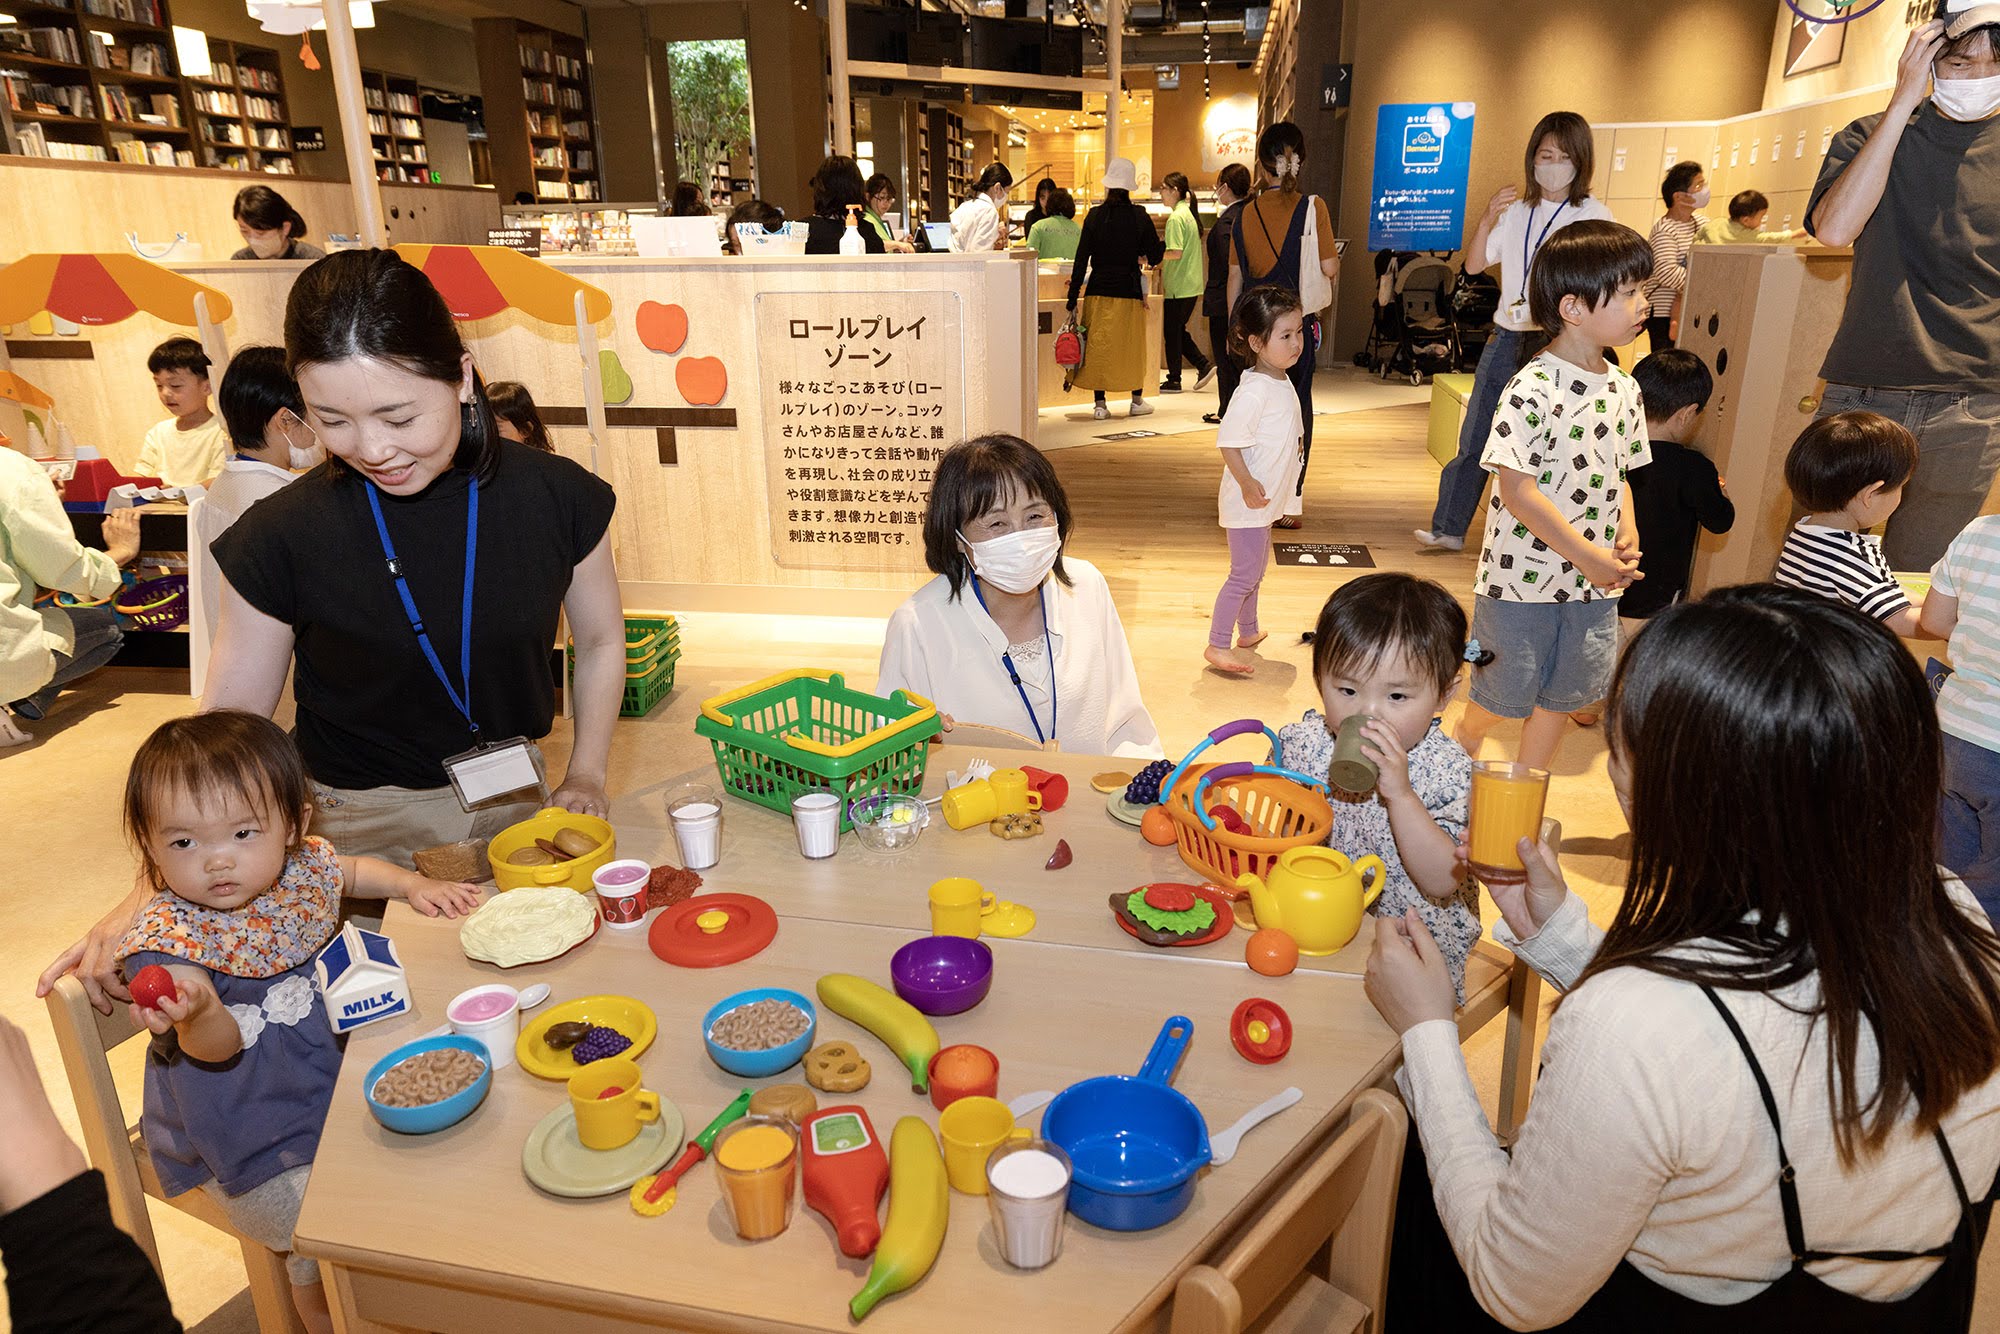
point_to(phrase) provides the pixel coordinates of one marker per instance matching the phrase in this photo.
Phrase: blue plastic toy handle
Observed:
(1175, 1035)
(1239, 769)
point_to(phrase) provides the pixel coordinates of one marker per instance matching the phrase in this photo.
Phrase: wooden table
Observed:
(443, 1232)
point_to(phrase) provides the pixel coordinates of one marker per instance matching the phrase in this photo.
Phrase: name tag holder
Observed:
(487, 775)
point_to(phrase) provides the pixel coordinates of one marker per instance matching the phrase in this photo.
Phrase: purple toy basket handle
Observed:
(1222, 773)
(1241, 727)
(1175, 1035)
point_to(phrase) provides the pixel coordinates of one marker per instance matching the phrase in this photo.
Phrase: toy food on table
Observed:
(1171, 914)
(846, 1173)
(1271, 952)
(654, 1195)
(758, 1161)
(599, 1044)
(711, 930)
(1261, 1031)
(555, 1161)
(464, 860)
(1157, 827)
(531, 857)
(794, 1102)
(919, 1206)
(836, 1068)
(1060, 858)
(151, 985)
(607, 1021)
(1144, 789)
(669, 885)
(1112, 780)
(1028, 825)
(527, 926)
(894, 1020)
(759, 1026)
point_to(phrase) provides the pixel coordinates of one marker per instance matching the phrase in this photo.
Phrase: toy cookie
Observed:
(836, 1067)
(1017, 826)
(794, 1102)
(1111, 780)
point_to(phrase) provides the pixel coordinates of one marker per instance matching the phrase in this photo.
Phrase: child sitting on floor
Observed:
(1390, 646)
(243, 1060)
(1847, 472)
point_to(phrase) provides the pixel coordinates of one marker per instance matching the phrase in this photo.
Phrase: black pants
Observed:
(1179, 342)
(1428, 1290)
(1656, 332)
(1227, 372)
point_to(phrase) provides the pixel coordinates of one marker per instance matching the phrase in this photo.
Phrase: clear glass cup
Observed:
(1027, 1194)
(696, 812)
(1507, 801)
(757, 1159)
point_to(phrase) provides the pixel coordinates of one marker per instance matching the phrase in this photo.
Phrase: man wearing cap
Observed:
(1916, 191)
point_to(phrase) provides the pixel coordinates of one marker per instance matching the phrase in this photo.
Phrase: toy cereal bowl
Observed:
(553, 847)
(426, 1085)
(759, 1032)
(889, 821)
(942, 974)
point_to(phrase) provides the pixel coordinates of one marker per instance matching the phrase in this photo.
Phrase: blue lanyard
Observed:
(1007, 661)
(463, 703)
(1527, 255)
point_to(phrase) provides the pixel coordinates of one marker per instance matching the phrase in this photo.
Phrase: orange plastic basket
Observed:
(1282, 815)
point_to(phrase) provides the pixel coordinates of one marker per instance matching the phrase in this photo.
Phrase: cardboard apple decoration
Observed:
(702, 380)
(662, 328)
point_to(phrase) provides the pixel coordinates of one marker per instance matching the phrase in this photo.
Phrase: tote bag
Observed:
(1315, 288)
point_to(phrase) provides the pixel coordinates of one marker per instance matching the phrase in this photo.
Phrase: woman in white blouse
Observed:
(1769, 1099)
(1011, 633)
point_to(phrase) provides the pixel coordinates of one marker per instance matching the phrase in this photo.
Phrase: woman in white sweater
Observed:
(1769, 1100)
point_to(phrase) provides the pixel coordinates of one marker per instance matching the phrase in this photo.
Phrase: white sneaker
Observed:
(1100, 412)
(1206, 376)
(1431, 541)
(1140, 407)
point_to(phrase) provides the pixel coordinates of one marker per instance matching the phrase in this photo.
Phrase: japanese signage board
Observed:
(1423, 157)
(862, 392)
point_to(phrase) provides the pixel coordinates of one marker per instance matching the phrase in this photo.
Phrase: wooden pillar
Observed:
(843, 99)
(346, 61)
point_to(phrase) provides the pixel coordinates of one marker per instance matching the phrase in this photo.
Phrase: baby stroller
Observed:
(1474, 303)
(1413, 332)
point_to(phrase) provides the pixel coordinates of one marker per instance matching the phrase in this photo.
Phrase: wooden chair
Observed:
(1317, 1259)
(116, 1149)
(991, 738)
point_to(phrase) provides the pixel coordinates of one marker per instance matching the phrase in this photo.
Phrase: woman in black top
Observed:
(1044, 189)
(1232, 187)
(837, 186)
(1118, 236)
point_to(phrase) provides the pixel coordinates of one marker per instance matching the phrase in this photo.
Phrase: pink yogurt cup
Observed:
(621, 891)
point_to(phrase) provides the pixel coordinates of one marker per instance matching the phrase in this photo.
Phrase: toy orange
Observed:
(1271, 952)
(1157, 826)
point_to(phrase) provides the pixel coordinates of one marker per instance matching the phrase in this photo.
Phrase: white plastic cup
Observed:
(621, 891)
(492, 1014)
(697, 815)
(816, 818)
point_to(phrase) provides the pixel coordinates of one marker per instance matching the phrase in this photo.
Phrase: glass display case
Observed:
(581, 229)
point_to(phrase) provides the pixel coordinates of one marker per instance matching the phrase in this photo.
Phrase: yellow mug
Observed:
(971, 1129)
(970, 804)
(957, 904)
(1011, 793)
(611, 1122)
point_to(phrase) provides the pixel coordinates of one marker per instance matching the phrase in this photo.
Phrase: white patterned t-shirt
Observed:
(1969, 704)
(1577, 433)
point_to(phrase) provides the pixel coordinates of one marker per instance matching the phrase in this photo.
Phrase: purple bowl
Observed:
(942, 974)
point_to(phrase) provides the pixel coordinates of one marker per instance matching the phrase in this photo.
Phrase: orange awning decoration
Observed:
(479, 281)
(102, 289)
(16, 390)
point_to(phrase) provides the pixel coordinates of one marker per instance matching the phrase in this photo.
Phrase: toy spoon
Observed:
(1028, 1102)
(1221, 1148)
(653, 1196)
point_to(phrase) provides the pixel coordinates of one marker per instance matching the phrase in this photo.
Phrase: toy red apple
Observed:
(152, 985)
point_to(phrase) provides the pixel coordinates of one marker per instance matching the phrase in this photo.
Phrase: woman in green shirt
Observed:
(1182, 280)
(1054, 235)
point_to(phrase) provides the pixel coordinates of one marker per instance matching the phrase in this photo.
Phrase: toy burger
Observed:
(553, 847)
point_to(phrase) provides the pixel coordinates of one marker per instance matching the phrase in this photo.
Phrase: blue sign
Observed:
(1423, 159)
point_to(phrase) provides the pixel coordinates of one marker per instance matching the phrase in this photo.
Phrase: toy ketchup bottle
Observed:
(846, 1175)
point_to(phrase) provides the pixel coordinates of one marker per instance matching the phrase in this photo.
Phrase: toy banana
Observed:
(888, 1017)
(919, 1204)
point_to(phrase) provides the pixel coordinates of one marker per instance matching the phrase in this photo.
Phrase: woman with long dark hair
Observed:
(836, 187)
(1232, 189)
(1268, 246)
(1117, 238)
(689, 201)
(271, 228)
(1769, 1099)
(1181, 282)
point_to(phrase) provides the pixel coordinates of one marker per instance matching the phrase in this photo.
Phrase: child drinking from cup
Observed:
(1259, 440)
(1847, 472)
(243, 1060)
(1389, 647)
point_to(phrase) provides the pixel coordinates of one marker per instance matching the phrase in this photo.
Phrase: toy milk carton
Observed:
(361, 978)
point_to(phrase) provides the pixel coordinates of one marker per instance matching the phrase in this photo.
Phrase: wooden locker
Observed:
(1635, 162)
(1600, 168)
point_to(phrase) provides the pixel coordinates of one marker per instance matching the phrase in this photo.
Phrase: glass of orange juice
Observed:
(1507, 801)
(758, 1161)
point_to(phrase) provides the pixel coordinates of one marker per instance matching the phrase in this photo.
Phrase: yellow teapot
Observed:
(1315, 896)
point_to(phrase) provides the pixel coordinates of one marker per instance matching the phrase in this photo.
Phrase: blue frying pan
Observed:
(1135, 1142)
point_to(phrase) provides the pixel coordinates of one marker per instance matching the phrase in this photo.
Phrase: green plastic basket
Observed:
(652, 648)
(641, 695)
(805, 731)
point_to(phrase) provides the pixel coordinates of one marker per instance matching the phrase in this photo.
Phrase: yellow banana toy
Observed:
(919, 1204)
(889, 1017)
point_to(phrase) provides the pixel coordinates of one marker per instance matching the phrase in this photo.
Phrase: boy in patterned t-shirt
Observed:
(1561, 542)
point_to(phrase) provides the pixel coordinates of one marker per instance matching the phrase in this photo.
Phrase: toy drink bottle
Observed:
(846, 1174)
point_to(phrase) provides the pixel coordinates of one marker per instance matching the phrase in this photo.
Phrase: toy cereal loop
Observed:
(836, 1067)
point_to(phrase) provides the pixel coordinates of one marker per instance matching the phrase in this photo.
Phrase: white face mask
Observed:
(1967, 99)
(1554, 177)
(1700, 197)
(1016, 562)
(302, 459)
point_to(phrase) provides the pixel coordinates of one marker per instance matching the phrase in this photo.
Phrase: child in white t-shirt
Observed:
(1561, 541)
(1259, 439)
(188, 449)
(1964, 604)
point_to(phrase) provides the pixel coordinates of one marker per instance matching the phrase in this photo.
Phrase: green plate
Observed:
(1124, 811)
(555, 1160)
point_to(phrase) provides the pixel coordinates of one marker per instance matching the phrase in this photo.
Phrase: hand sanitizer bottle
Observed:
(850, 240)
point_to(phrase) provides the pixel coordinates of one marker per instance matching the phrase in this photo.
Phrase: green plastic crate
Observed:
(805, 731)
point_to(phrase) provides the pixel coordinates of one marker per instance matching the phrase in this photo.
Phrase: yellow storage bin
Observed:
(574, 873)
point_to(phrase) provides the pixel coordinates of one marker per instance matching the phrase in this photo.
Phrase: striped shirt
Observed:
(1672, 240)
(1847, 567)
(1969, 704)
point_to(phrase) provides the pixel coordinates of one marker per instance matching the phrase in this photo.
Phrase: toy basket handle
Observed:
(1242, 769)
(713, 710)
(1241, 727)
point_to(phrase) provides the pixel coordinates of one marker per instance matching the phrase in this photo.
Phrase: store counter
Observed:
(1052, 295)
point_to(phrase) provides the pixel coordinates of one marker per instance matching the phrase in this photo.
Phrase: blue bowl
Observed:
(943, 974)
(759, 1064)
(436, 1115)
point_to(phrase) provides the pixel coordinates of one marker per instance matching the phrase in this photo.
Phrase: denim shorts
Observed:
(1546, 655)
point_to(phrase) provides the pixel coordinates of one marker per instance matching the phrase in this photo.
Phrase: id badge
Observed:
(486, 774)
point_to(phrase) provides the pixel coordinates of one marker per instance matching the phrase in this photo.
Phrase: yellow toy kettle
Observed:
(1315, 896)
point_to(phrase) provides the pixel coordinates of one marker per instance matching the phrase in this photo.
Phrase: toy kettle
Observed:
(1316, 896)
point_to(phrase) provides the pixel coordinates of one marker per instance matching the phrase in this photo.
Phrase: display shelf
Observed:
(395, 111)
(540, 122)
(246, 79)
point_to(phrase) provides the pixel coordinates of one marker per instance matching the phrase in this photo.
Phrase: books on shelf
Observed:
(577, 129)
(216, 102)
(582, 160)
(25, 93)
(132, 11)
(404, 102)
(270, 136)
(261, 108)
(407, 126)
(32, 142)
(152, 153)
(538, 90)
(263, 80)
(377, 123)
(373, 97)
(569, 99)
(48, 43)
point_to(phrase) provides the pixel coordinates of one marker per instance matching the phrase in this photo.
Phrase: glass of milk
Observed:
(1027, 1192)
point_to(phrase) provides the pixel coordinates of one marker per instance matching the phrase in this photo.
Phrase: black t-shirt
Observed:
(1671, 495)
(70, 1268)
(1115, 237)
(372, 713)
(823, 236)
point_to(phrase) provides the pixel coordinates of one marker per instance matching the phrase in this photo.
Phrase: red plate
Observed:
(1272, 1015)
(676, 937)
(1225, 918)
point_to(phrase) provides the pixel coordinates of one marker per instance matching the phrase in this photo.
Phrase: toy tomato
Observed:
(152, 985)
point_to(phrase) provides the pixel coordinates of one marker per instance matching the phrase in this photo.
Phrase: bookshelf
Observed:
(396, 127)
(94, 81)
(240, 114)
(944, 162)
(540, 118)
